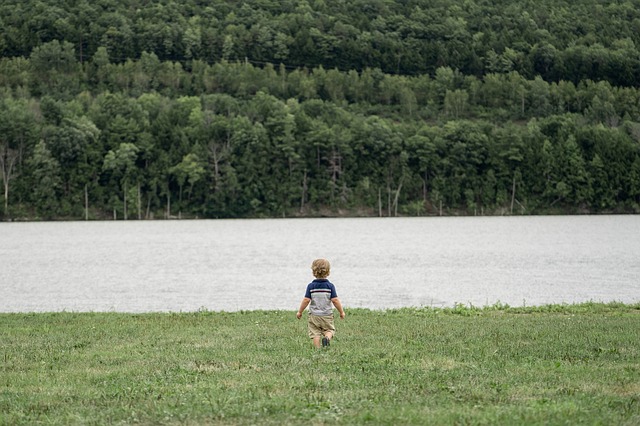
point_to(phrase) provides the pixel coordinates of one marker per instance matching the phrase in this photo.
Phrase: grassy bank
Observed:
(577, 364)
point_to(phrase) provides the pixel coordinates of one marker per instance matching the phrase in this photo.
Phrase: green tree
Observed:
(121, 163)
(568, 176)
(18, 132)
(117, 35)
(455, 103)
(74, 145)
(46, 181)
(192, 38)
(8, 167)
(463, 148)
(423, 159)
(634, 182)
(55, 68)
(190, 170)
(539, 96)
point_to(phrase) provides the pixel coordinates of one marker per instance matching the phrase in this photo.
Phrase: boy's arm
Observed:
(303, 306)
(338, 305)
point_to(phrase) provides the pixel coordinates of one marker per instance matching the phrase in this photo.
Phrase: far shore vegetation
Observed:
(497, 365)
(112, 109)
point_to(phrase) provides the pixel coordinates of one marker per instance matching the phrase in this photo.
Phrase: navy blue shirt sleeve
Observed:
(307, 293)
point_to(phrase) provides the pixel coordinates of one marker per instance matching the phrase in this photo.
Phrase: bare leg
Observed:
(328, 335)
(316, 342)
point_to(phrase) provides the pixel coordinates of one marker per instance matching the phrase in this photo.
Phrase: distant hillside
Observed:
(125, 109)
(558, 40)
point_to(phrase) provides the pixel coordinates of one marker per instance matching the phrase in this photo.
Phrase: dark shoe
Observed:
(325, 342)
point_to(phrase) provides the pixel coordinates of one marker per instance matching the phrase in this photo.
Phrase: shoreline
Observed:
(456, 309)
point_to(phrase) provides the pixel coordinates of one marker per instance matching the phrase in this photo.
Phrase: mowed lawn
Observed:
(557, 364)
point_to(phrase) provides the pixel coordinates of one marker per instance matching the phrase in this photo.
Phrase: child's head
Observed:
(321, 268)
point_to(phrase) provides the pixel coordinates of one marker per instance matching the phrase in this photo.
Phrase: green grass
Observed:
(558, 364)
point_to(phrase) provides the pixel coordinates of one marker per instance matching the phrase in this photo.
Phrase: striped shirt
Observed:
(320, 291)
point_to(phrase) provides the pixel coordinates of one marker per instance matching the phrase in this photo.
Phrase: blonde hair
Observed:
(321, 268)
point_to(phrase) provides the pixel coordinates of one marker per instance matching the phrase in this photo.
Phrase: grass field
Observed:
(557, 364)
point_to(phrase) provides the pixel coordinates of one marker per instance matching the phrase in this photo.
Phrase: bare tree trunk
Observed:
(86, 202)
(304, 191)
(180, 203)
(8, 160)
(216, 156)
(424, 187)
(335, 164)
(388, 200)
(6, 196)
(125, 201)
(139, 202)
(513, 192)
(395, 200)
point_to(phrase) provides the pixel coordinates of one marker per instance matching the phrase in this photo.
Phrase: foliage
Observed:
(558, 40)
(376, 109)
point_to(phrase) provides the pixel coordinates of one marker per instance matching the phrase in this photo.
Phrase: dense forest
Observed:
(156, 109)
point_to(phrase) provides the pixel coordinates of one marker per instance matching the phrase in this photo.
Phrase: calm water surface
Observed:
(265, 264)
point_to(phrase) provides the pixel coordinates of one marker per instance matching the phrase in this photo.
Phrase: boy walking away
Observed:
(320, 295)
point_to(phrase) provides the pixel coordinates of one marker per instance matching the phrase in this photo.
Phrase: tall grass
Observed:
(575, 364)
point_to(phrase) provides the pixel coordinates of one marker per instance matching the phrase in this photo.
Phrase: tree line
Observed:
(555, 39)
(109, 111)
(148, 139)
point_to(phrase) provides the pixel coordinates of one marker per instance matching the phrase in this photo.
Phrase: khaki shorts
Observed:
(318, 325)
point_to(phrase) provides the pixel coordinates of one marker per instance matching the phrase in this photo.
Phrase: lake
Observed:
(377, 263)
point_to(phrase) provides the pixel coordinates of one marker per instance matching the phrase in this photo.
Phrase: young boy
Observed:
(321, 293)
